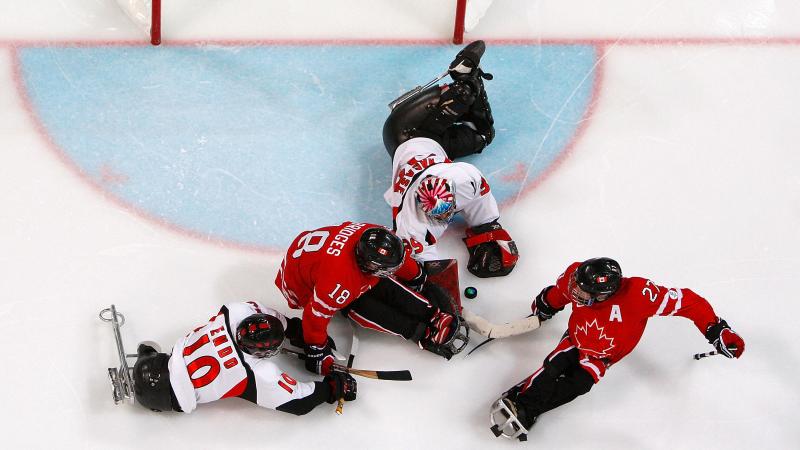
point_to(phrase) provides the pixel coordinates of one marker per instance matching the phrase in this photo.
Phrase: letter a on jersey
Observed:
(616, 314)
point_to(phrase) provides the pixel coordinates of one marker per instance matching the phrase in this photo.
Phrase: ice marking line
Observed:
(50, 144)
(232, 44)
(600, 54)
(599, 72)
(598, 69)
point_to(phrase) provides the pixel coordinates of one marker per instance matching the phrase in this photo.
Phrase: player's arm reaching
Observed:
(552, 299)
(277, 390)
(686, 303)
(329, 298)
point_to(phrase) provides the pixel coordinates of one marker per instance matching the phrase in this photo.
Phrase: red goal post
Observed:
(468, 14)
(146, 14)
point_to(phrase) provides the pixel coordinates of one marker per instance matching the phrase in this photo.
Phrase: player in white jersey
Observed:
(423, 135)
(230, 356)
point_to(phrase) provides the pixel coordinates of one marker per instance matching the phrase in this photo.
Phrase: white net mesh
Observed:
(475, 11)
(139, 11)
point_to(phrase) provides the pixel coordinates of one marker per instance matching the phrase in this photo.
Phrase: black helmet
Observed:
(379, 252)
(260, 335)
(597, 277)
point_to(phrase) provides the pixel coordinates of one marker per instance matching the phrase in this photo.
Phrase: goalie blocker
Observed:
(492, 252)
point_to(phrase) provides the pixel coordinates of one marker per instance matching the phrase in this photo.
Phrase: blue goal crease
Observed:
(253, 145)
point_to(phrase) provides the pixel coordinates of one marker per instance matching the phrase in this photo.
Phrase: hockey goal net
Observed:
(468, 14)
(146, 14)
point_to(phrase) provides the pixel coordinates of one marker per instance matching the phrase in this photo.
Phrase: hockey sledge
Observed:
(121, 377)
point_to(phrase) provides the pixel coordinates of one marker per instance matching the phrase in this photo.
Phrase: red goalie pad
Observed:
(444, 272)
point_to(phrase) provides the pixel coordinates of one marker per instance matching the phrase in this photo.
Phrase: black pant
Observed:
(560, 380)
(422, 116)
(390, 307)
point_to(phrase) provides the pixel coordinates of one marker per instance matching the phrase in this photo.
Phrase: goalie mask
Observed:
(379, 252)
(436, 197)
(595, 280)
(260, 335)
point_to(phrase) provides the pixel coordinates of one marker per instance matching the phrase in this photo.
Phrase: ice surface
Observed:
(685, 168)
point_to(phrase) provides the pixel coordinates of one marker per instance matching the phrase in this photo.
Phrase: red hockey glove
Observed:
(492, 252)
(725, 340)
(319, 358)
(541, 308)
(343, 385)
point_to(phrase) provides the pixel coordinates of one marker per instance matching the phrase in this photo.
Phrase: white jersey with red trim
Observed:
(206, 366)
(416, 159)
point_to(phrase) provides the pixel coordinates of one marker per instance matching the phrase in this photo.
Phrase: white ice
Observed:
(687, 173)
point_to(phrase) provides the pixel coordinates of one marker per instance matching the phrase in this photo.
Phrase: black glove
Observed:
(343, 385)
(725, 340)
(319, 358)
(541, 308)
(417, 282)
(294, 332)
(492, 252)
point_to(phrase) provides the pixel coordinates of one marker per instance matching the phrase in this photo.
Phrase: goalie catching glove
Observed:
(492, 252)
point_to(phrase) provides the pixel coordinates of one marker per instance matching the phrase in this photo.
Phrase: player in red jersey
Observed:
(609, 315)
(355, 268)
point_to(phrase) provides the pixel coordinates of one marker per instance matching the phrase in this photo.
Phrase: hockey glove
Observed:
(492, 252)
(418, 281)
(319, 358)
(294, 332)
(343, 385)
(541, 308)
(725, 340)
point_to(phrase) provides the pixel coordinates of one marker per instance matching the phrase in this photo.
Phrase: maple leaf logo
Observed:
(592, 339)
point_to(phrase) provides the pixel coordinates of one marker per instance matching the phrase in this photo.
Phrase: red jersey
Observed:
(319, 275)
(607, 331)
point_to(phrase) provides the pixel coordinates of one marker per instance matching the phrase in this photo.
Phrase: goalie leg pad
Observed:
(463, 140)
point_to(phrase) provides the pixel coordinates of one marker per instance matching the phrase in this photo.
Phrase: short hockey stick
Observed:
(706, 355)
(393, 375)
(494, 331)
(350, 359)
(415, 91)
(699, 356)
(480, 345)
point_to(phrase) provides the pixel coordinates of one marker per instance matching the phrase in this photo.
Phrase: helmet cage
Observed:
(582, 297)
(377, 269)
